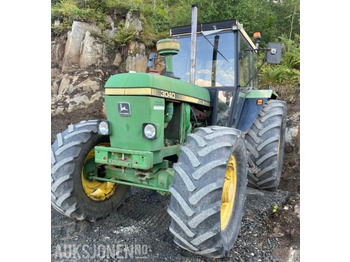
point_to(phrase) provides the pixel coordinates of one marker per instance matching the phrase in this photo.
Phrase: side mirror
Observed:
(151, 58)
(273, 53)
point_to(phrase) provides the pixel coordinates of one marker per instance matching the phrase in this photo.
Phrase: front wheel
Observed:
(72, 159)
(208, 191)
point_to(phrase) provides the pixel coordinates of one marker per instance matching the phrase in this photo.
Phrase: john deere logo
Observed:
(124, 109)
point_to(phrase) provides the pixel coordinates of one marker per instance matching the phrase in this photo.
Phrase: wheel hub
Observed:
(97, 191)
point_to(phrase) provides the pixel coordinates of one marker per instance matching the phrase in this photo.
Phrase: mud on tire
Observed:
(68, 153)
(197, 189)
(265, 145)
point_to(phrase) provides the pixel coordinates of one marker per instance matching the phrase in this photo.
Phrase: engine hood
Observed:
(158, 86)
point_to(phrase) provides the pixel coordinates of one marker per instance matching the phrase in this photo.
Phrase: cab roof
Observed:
(232, 24)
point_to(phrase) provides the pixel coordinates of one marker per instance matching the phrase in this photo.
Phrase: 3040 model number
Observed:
(167, 94)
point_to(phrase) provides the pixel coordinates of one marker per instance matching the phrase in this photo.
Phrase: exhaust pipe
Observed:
(193, 43)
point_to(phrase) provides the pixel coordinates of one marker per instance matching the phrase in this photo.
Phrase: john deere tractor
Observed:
(200, 132)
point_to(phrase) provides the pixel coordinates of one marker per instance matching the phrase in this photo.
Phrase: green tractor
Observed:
(201, 132)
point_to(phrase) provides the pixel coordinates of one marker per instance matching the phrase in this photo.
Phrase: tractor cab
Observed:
(217, 56)
(226, 64)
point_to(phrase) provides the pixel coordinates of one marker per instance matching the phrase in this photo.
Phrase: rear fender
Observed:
(251, 108)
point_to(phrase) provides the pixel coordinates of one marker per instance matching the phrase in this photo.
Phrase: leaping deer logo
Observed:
(124, 109)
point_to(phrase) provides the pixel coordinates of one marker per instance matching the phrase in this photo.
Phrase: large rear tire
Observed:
(265, 145)
(208, 191)
(72, 194)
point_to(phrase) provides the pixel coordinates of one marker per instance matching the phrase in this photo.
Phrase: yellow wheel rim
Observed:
(228, 193)
(96, 190)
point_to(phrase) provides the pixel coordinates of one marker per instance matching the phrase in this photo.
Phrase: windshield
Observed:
(214, 61)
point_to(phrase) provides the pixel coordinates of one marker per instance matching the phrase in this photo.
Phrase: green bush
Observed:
(66, 11)
(286, 73)
(124, 35)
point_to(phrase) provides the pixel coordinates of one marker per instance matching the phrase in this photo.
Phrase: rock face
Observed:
(80, 64)
(71, 59)
(75, 81)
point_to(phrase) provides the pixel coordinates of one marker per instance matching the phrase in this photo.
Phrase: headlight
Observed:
(103, 128)
(149, 131)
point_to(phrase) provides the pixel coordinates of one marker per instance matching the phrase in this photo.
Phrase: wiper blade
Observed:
(214, 46)
(211, 32)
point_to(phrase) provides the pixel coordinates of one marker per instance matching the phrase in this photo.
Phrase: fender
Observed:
(251, 109)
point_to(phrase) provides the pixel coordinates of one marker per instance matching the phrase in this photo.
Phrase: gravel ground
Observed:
(138, 230)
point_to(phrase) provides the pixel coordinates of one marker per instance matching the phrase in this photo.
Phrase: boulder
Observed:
(73, 46)
(65, 84)
(78, 99)
(136, 48)
(111, 32)
(137, 63)
(78, 102)
(292, 133)
(58, 111)
(137, 59)
(93, 52)
(88, 85)
(57, 51)
(133, 18)
(117, 60)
